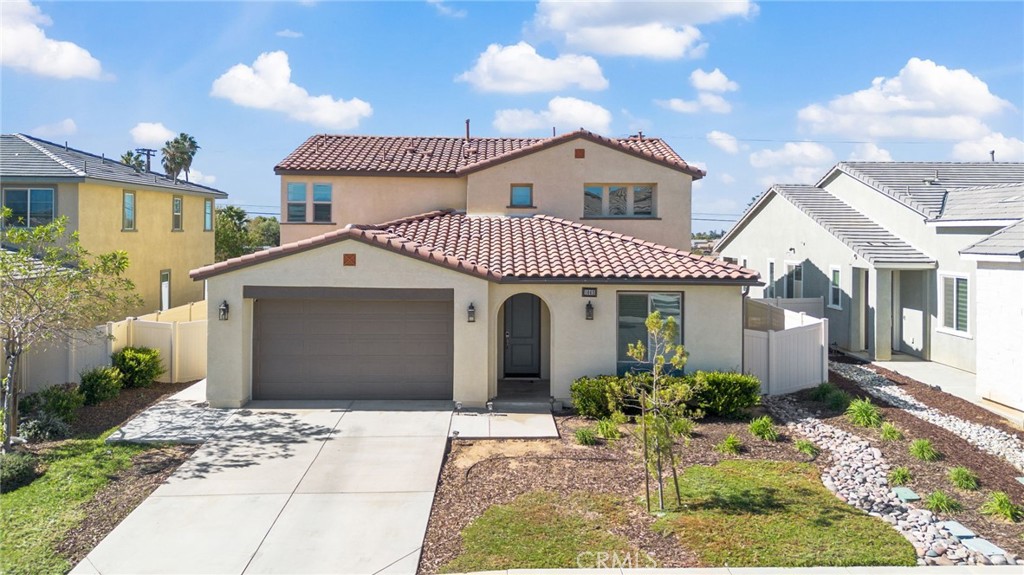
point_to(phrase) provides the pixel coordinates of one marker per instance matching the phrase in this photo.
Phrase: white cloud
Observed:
(197, 177)
(705, 102)
(713, 81)
(25, 46)
(793, 154)
(151, 134)
(564, 114)
(65, 127)
(662, 30)
(925, 100)
(870, 152)
(520, 69)
(288, 33)
(267, 85)
(727, 179)
(723, 141)
(446, 10)
(1007, 149)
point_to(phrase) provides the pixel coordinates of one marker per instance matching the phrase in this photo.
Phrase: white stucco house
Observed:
(919, 258)
(442, 268)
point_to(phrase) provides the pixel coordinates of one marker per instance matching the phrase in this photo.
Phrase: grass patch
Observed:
(586, 436)
(999, 504)
(765, 513)
(939, 502)
(963, 478)
(731, 445)
(608, 429)
(764, 428)
(923, 450)
(900, 475)
(541, 530)
(807, 447)
(864, 413)
(891, 433)
(37, 516)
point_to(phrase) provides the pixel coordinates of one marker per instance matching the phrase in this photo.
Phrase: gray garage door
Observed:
(353, 348)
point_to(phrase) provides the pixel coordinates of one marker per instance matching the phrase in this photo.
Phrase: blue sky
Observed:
(754, 93)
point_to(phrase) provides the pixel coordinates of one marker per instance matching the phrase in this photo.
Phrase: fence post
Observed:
(110, 338)
(174, 352)
(824, 350)
(71, 361)
(771, 360)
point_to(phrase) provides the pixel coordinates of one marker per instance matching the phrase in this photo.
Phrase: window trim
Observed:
(769, 288)
(28, 202)
(329, 203)
(288, 203)
(178, 226)
(124, 209)
(790, 275)
(835, 286)
(942, 304)
(648, 293)
(160, 291)
(512, 195)
(209, 214)
(630, 202)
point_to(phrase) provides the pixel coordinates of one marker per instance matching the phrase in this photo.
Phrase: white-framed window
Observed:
(794, 284)
(295, 209)
(176, 213)
(633, 309)
(835, 290)
(618, 200)
(955, 302)
(321, 203)
(520, 196)
(29, 207)
(769, 288)
(207, 215)
(128, 211)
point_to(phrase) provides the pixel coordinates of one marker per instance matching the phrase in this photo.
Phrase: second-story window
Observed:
(321, 202)
(208, 215)
(618, 201)
(521, 196)
(176, 209)
(296, 207)
(29, 206)
(128, 212)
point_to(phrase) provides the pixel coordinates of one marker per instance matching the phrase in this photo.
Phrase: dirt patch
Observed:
(118, 498)
(93, 420)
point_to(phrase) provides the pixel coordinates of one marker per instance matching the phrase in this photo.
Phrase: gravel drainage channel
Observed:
(857, 475)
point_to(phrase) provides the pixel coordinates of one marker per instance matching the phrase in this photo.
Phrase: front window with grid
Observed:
(835, 291)
(176, 213)
(954, 303)
(29, 206)
(618, 200)
(321, 202)
(296, 207)
(634, 307)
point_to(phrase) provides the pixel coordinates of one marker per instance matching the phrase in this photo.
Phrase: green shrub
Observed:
(963, 478)
(16, 470)
(899, 475)
(683, 427)
(864, 413)
(592, 396)
(999, 504)
(139, 366)
(619, 418)
(608, 429)
(60, 401)
(727, 394)
(890, 432)
(833, 397)
(939, 502)
(730, 445)
(823, 391)
(585, 436)
(807, 448)
(100, 384)
(44, 426)
(923, 450)
(764, 428)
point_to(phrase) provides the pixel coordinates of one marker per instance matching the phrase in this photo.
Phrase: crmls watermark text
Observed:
(615, 560)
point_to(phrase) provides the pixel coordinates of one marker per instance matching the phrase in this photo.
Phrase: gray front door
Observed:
(522, 336)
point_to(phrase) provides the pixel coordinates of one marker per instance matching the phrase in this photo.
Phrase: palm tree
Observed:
(178, 154)
(171, 159)
(133, 159)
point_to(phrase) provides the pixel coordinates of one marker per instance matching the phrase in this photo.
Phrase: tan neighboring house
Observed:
(166, 227)
(453, 268)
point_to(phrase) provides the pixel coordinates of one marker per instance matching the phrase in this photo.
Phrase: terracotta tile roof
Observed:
(528, 249)
(442, 156)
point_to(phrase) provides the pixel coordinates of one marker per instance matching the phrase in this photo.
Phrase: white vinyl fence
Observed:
(182, 346)
(787, 351)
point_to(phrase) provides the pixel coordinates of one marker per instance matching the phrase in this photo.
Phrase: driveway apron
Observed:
(292, 487)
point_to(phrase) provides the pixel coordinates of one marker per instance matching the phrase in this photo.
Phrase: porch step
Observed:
(523, 405)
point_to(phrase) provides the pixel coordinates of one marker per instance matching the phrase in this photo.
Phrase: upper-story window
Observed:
(207, 215)
(29, 206)
(321, 202)
(618, 200)
(128, 212)
(296, 207)
(176, 213)
(521, 196)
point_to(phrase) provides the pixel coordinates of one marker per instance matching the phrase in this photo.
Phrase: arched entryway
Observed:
(524, 358)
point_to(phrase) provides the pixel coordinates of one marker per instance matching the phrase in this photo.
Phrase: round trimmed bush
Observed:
(100, 384)
(16, 470)
(139, 366)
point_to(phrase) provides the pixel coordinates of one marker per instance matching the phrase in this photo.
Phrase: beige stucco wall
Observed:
(153, 246)
(1000, 337)
(558, 178)
(370, 200)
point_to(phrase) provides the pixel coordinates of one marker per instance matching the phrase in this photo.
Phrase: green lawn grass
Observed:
(776, 514)
(36, 517)
(541, 529)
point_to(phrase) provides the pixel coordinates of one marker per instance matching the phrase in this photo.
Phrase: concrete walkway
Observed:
(292, 487)
(475, 424)
(184, 417)
(967, 570)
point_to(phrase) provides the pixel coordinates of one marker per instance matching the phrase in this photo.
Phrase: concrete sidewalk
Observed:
(963, 570)
(184, 417)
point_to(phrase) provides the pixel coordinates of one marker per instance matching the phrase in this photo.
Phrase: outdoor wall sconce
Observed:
(222, 311)
(471, 313)
(590, 310)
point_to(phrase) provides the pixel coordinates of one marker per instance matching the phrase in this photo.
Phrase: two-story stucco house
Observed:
(441, 268)
(910, 257)
(166, 227)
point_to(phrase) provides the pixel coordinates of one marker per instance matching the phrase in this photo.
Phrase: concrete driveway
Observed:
(292, 487)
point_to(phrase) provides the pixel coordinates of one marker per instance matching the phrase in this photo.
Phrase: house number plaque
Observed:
(590, 292)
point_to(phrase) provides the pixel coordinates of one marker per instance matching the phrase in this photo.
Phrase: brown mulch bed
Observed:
(994, 473)
(480, 473)
(120, 497)
(93, 420)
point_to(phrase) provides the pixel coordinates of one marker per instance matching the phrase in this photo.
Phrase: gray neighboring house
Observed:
(920, 258)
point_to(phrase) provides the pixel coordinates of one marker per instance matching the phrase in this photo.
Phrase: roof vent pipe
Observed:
(993, 154)
(467, 130)
(65, 145)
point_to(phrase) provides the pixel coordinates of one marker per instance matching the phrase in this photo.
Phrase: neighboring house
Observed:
(165, 227)
(907, 256)
(454, 302)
